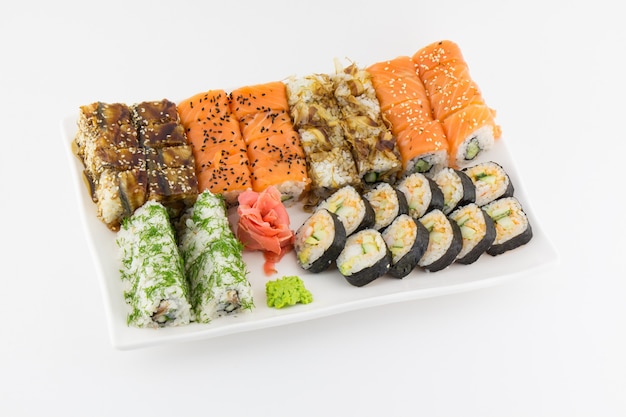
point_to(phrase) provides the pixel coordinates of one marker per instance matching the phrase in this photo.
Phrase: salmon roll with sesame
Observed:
(404, 103)
(456, 101)
(221, 160)
(272, 144)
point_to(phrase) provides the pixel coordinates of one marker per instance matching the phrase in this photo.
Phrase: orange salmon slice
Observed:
(396, 81)
(252, 99)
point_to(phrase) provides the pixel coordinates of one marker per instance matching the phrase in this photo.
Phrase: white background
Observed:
(549, 344)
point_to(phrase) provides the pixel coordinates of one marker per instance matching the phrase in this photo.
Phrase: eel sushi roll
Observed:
(387, 203)
(422, 194)
(444, 241)
(477, 229)
(491, 182)
(457, 188)
(354, 211)
(213, 259)
(364, 258)
(407, 240)
(152, 269)
(319, 241)
(512, 226)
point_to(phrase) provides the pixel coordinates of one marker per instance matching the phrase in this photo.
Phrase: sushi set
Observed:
(366, 186)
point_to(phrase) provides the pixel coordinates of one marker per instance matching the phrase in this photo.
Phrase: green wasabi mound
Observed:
(287, 291)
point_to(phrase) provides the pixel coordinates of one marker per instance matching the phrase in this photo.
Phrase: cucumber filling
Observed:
(422, 166)
(473, 149)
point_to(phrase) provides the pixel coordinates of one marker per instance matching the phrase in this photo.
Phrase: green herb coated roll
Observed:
(152, 269)
(213, 261)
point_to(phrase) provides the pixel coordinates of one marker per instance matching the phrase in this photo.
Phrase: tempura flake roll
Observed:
(373, 145)
(477, 229)
(213, 261)
(407, 240)
(364, 258)
(317, 118)
(512, 226)
(152, 269)
(444, 241)
(491, 182)
(319, 241)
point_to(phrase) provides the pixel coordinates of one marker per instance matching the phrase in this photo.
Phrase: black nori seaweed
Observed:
(513, 243)
(369, 217)
(436, 198)
(484, 243)
(451, 253)
(469, 189)
(335, 248)
(409, 261)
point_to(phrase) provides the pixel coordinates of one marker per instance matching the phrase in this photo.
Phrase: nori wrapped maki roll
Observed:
(354, 211)
(444, 241)
(319, 241)
(364, 258)
(387, 202)
(422, 194)
(457, 188)
(491, 182)
(512, 226)
(152, 269)
(407, 240)
(213, 260)
(477, 230)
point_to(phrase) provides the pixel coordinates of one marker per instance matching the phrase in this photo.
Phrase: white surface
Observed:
(550, 344)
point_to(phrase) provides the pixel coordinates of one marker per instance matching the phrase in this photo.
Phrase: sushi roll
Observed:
(422, 194)
(456, 101)
(407, 240)
(458, 189)
(405, 106)
(213, 260)
(491, 182)
(477, 230)
(387, 202)
(319, 241)
(364, 258)
(317, 118)
(373, 145)
(354, 211)
(273, 145)
(213, 133)
(512, 226)
(444, 241)
(152, 269)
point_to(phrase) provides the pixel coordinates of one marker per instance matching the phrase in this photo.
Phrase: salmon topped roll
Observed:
(456, 101)
(272, 144)
(213, 132)
(405, 106)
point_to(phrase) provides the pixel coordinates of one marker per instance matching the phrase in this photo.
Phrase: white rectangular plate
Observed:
(332, 294)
